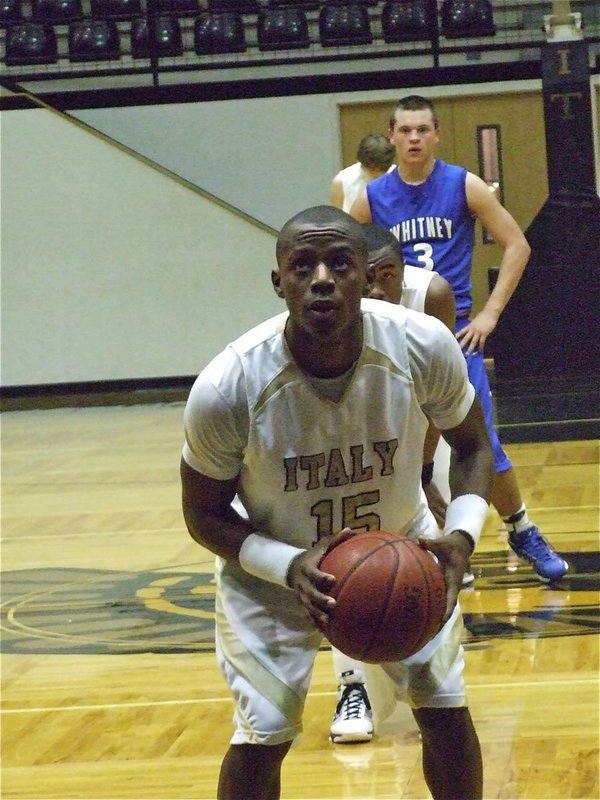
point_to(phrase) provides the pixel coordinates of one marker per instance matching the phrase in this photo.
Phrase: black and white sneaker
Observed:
(353, 719)
(468, 578)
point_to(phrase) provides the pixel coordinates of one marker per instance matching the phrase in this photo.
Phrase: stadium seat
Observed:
(344, 25)
(11, 12)
(94, 40)
(56, 12)
(307, 5)
(241, 6)
(31, 43)
(167, 37)
(180, 8)
(462, 18)
(219, 33)
(411, 21)
(115, 9)
(282, 28)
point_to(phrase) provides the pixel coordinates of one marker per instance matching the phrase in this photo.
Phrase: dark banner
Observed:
(568, 115)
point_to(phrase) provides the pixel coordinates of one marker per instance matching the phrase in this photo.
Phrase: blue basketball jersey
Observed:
(433, 223)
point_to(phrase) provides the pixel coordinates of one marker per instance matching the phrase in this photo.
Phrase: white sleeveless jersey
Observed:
(308, 466)
(414, 287)
(414, 293)
(354, 179)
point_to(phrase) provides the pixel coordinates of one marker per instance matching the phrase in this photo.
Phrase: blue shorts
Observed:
(478, 377)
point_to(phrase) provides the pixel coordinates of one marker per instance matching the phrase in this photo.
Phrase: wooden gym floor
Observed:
(109, 685)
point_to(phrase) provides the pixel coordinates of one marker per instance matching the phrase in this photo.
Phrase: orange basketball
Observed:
(390, 596)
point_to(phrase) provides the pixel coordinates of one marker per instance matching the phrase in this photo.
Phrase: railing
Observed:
(518, 35)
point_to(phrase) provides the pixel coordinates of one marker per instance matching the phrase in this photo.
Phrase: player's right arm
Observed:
(215, 423)
(216, 431)
(336, 195)
(213, 523)
(361, 209)
(208, 514)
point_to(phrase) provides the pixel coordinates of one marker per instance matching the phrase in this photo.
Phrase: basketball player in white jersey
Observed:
(427, 292)
(317, 419)
(375, 155)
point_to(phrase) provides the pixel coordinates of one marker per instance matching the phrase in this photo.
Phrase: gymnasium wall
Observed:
(111, 268)
(114, 269)
(269, 157)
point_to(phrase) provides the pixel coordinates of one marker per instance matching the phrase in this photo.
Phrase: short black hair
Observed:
(321, 215)
(377, 237)
(414, 102)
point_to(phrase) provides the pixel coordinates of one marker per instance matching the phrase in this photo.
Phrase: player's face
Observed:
(386, 271)
(414, 135)
(322, 277)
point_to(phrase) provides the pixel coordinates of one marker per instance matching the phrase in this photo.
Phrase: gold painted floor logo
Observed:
(172, 611)
(100, 611)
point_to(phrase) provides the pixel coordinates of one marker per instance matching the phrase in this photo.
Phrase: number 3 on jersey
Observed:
(424, 253)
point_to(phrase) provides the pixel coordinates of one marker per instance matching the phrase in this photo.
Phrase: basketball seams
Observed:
(339, 584)
(428, 575)
(343, 582)
(412, 554)
(373, 586)
(389, 590)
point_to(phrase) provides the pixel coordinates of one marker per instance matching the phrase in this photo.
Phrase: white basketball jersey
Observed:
(414, 287)
(309, 466)
(414, 293)
(354, 179)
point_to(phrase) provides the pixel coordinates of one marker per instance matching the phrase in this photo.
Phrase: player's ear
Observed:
(276, 281)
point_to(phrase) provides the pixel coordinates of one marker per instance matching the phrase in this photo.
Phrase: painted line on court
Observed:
(202, 701)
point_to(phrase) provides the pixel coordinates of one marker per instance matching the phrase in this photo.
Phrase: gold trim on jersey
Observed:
(267, 684)
(288, 375)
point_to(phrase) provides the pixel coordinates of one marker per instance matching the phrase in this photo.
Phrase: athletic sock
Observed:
(517, 522)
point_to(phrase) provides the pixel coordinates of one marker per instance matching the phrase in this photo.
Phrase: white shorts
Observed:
(432, 678)
(266, 649)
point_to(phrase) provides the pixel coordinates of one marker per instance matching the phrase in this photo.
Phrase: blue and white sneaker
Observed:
(532, 547)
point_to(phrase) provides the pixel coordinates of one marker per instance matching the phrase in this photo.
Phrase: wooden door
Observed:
(520, 121)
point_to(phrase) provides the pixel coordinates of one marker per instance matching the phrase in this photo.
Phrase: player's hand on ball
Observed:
(310, 583)
(453, 553)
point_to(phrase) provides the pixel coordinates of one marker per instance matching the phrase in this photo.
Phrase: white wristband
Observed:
(468, 512)
(267, 558)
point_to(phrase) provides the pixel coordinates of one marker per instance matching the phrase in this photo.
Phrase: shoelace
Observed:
(542, 549)
(352, 701)
(539, 548)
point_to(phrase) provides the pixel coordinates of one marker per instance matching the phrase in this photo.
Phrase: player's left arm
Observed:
(449, 400)
(471, 480)
(504, 229)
